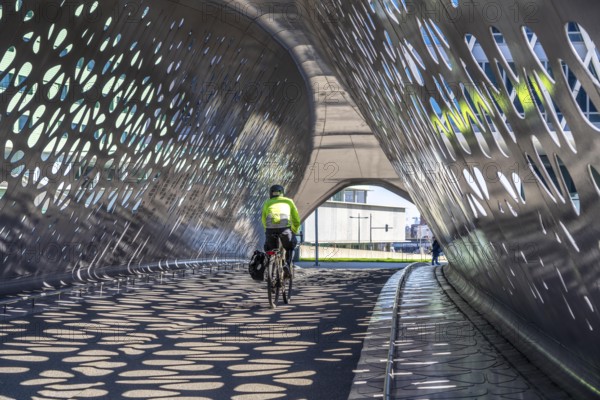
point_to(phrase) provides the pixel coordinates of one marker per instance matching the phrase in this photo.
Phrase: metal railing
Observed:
(389, 368)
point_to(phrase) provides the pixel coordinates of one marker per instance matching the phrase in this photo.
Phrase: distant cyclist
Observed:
(280, 215)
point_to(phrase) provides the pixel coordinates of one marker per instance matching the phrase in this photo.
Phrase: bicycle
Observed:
(277, 280)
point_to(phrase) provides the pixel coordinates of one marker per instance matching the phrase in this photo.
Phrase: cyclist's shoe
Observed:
(286, 271)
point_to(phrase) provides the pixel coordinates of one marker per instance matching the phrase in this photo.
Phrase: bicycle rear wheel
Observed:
(271, 288)
(286, 287)
(277, 278)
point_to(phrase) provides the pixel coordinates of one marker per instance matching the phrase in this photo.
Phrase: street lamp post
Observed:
(371, 227)
(359, 218)
(371, 230)
(317, 237)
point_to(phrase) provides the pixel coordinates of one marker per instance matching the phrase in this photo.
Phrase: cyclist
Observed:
(280, 215)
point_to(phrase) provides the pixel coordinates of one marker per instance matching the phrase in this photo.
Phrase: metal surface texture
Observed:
(135, 132)
(345, 150)
(488, 110)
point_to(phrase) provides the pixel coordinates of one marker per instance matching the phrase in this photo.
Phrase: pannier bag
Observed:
(257, 265)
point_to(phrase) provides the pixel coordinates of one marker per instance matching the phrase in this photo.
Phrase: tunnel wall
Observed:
(501, 158)
(135, 132)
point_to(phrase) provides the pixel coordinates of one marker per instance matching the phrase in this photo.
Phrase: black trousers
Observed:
(288, 241)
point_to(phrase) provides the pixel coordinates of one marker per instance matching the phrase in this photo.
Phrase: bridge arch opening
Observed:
(365, 221)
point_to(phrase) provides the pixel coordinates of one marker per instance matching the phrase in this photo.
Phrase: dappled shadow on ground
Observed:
(204, 337)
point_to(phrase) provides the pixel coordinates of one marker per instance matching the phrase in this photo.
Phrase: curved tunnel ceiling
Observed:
(132, 135)
(345, 150)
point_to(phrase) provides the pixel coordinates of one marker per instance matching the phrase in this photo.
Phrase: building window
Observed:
(5, 81)
(338, 197)
(498, 37)
(361, 197)
(23, 122)
(574, 32)
(349, 196)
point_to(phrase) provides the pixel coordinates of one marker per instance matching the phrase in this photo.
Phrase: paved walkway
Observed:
(445, 350)
(203, 337)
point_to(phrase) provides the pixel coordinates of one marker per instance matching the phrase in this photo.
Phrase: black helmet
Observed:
(276, 190)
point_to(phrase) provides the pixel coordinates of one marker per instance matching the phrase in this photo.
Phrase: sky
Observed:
(383, 197)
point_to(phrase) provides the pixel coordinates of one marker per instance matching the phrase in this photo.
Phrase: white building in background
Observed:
(346, 213)
(423, 232)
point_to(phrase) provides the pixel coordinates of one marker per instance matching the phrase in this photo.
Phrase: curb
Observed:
(373, 370)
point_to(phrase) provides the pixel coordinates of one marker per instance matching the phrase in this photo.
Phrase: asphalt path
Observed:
(206, 336)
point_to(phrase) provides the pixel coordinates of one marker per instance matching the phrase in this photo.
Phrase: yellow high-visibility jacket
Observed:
(280, 212)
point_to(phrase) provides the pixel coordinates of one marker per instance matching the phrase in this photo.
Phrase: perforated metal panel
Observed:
(133, 132)
(489, 111)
